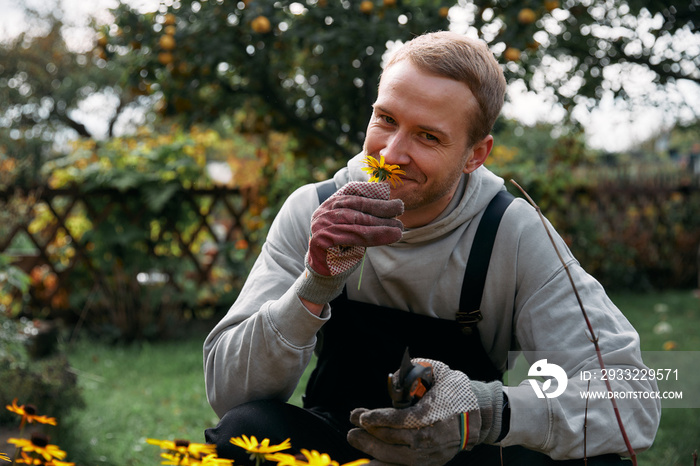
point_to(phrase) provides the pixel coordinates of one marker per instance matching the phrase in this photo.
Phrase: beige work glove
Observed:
(454, 415)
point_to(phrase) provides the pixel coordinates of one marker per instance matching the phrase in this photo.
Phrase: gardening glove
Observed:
(454, 415)
(358, 215)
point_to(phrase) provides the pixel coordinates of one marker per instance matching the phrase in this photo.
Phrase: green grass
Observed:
(133, 393)
(157, 390)
(679, 432)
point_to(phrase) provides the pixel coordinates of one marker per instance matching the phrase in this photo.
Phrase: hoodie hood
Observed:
(472, 196)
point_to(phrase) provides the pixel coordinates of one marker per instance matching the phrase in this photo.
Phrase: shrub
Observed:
(47, 380)
(142, 232)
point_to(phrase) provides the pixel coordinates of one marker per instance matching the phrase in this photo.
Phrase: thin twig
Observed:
(593, 337)
(585, 425)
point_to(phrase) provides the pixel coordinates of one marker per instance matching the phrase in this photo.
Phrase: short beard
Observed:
(416, 199)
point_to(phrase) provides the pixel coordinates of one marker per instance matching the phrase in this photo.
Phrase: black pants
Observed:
(277, 421)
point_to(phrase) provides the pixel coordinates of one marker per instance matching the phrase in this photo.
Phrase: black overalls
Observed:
(362, 343)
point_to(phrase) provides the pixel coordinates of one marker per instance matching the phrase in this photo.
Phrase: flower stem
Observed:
(362, 268)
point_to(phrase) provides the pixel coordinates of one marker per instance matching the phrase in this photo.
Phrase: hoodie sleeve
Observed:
(264, 343)
(549, 324)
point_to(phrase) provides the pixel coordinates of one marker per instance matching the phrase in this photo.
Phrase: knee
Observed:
(255, 418)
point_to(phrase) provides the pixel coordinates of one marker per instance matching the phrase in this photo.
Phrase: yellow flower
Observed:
(213, 460)
(28, 413)
(4, 457)
(177, 459)
(313, 458)
(26, 459)
(56, 462)
(40, 445)
(380, 171)
(251, 445)
(184, 447)
(259, 450)
(282, 459)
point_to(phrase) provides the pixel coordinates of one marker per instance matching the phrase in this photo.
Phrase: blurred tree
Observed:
(583, 49)
(44, 86)
(313, 66)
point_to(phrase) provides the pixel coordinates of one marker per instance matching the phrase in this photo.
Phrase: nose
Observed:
(395, 151)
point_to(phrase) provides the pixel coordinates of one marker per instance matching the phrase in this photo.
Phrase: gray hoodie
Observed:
(262, 346)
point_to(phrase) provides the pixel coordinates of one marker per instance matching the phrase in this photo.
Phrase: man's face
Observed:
(420, 122)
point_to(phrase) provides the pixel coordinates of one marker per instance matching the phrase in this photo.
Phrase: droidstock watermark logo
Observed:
(667, 377)
(542, 368)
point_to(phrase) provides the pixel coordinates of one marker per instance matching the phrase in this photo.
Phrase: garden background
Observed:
(142, 161)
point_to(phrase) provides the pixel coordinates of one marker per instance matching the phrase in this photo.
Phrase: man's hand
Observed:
(455, 414)
(357, 216)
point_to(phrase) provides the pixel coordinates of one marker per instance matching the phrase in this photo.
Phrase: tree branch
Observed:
(78, 127)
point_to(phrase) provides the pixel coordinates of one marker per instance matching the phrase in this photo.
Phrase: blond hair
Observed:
(458, 57)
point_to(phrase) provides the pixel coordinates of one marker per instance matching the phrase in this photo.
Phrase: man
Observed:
(438, 98)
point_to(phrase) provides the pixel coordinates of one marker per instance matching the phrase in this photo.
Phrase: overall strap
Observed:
(325, 189)
(469, 313)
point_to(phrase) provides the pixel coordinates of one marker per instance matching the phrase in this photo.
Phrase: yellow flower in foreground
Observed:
(356, 462)
(251, 445)
(56, 462)
(282, 459)
(213, 460)
(313, 458)
(28, 413)
(185, 447)
(26, 459)
(380, 171)
(40, 445)
(177, 459)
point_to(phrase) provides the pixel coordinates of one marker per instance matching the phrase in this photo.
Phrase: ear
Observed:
(479, 152)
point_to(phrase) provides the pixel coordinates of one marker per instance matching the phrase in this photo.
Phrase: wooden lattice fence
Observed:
(124, 261)
(139, 262)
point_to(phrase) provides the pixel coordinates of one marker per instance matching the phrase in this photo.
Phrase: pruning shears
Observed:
(411, 383)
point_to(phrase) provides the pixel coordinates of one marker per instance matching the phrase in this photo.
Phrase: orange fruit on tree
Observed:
(261, 25)
(550, 5)
(170, 30)
(102, 40)
(165, 58)
(100, 52)
(170, 19)
(167, 42)
(512, 54)
(527, 16)
(366, 7)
